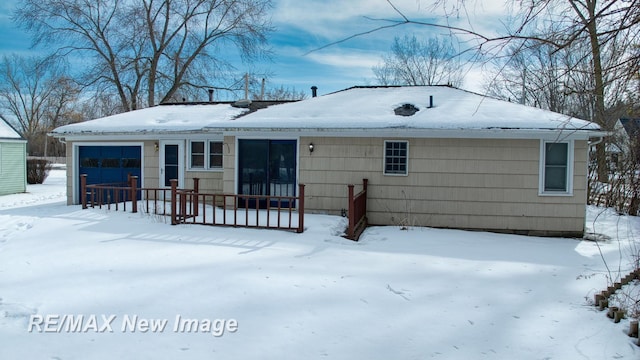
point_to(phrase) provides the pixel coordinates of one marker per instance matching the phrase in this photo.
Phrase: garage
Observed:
(109, 164)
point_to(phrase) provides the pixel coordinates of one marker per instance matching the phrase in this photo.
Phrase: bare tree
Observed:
(146, 51)
(415, 62)
(100, 103)
(38, 94)
(280, 93)
(544, 77)
(258, 87)
(591, 15)
(596, 24)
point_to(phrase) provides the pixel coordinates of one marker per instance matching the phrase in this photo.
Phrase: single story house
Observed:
(433, 155)
(13, 160)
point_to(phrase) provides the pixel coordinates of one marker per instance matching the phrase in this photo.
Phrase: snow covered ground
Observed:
(397, 294)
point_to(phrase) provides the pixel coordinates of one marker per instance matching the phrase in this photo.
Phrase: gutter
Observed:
(403, 132)
(550, 134)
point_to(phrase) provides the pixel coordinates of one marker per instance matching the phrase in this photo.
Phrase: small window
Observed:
(111, 163)
(556, 168)
(131, 163)
(197, 154)
(396, 157)
(89, 162)
(206, 155)
(215, 154)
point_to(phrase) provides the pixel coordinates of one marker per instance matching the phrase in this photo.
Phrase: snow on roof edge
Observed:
(8, 132)
(366, 108)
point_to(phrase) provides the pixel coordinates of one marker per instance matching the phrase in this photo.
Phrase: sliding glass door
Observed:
(266, 167)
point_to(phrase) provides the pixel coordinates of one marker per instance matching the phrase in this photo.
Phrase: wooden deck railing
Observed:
(357, 211)
(281, 212)
(153, 200)
(189, 206)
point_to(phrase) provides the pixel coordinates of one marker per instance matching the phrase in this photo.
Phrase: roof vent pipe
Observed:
(210, 95)
(314, 91)
(430, 101)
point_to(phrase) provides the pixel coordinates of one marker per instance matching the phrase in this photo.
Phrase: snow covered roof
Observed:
(8, 132)
(376, 108)
(359, 111)
(157, 119)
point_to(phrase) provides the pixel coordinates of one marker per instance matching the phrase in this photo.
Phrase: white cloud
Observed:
(322, 11)
(347, 59)
(311, 24)
(331, 18)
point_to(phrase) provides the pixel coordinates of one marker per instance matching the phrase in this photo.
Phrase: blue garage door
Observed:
(109, 164)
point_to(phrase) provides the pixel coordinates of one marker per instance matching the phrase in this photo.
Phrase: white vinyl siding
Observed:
(556, 164)
(205, 155)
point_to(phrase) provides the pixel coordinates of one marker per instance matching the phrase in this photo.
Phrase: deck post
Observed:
(133, 194)
(83, 190)
(365, 182)
(183, 207)
(196, 190)
(300, 209)
(174, 207)
(351, 212)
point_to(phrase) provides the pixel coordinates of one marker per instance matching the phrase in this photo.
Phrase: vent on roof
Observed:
(243, 103)
(406, 110)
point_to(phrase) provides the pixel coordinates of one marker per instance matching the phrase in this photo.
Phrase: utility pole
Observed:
(246, 85)
(523, 96)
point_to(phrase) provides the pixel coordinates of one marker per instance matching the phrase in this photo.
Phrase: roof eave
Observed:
(18, 140)
(501, 133)
(133, 134)
(494, 133)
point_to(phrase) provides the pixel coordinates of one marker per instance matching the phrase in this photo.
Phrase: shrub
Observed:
(37, 170)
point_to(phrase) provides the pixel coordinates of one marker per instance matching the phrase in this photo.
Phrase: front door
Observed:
(171, 158)
(266, 167)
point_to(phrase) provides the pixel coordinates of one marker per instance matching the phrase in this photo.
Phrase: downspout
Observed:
(600, 139)
(588, 192)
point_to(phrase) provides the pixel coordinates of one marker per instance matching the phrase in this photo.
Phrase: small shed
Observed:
(13, 160)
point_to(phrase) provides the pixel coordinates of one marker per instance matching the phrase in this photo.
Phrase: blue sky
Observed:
(303, 26)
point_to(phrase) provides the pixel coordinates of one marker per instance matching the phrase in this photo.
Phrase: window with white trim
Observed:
(396, 157)
(205, 155)
(556, 168)
(215, 154)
